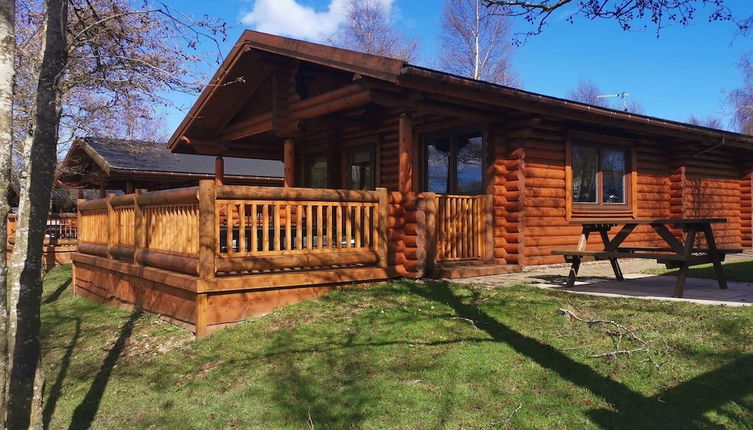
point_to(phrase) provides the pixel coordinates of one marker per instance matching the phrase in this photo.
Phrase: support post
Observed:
(428, 229)
(207, 229)
(405, 153)
(488, 222)
(139, 226)
(110, 226)
(383, 231)
(219, 170)
(289, 162)
(129, 187)
(102, 191)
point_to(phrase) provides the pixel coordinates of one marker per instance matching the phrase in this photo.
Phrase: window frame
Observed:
(452, 135)
(348, 158)
(310, 159)
(587, 209)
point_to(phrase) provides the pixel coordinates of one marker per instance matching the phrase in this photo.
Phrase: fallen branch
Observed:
(621, 333)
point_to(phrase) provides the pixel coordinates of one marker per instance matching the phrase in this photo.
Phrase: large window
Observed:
(316, 172)
(360, 167)
(600, 176)
(454, 163)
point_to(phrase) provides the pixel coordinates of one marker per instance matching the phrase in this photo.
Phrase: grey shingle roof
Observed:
(156, 157)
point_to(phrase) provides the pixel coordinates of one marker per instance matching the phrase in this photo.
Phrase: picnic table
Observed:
(677, 253)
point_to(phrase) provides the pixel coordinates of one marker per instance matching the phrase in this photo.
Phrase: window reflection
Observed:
(437, 165)
(317, 172)
(585, 169)
(613, 176)
(469, 156)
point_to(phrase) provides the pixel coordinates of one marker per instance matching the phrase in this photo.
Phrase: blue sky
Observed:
(685, 71)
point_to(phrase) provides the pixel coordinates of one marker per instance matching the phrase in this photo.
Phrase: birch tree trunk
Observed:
(25, 274)
(7, 67)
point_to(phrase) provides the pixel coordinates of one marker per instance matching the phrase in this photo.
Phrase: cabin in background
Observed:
(116, 165)
(390, 170)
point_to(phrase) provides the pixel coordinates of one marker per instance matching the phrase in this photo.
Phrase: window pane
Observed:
(585, 164)
(469, 156)
(361, 170)
(318, 172)
(613, 176)
(437, 165)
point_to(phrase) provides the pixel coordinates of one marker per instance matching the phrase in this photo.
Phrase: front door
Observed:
(454, 171)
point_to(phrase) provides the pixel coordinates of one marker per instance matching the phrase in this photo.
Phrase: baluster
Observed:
(309, 228)
(288, 229)
(338, 226)
(242, 228)
(299, 226)
(357, 225)
(368, 222)
(348, 225)
(265, 227)
(277, 229)
(254, 229)
(319, 227)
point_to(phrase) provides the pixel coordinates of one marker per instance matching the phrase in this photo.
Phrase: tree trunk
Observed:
(25, 274)
(7, 66)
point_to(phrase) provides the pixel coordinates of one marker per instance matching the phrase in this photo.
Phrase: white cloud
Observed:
(290, 18)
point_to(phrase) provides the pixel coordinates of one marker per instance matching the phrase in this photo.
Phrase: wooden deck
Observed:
(213, 255)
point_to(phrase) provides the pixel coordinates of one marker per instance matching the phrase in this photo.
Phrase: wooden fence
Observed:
(460, 223)
(221, 229)
(61, 229)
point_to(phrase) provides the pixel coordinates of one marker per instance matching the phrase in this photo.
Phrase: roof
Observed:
(122, 156)
(410, 76)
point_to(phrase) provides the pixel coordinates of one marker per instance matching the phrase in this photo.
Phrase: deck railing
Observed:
(221, 229)
(460, 221)
(61, 229)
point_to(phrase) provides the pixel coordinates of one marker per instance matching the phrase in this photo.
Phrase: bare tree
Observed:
(7, 69)
(587, 92)
(627, 13)
(112, 50)
(368, 28)
(742, 98)
(476, 42)
(709, 121)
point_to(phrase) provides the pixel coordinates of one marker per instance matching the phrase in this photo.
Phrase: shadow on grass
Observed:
(87, 410)
(58, 291)
(682, 406)
(65, 363)
(741, 271)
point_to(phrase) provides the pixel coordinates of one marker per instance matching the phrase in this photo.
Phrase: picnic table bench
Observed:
(680, 254)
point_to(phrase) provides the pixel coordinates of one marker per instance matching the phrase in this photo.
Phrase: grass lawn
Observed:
(741, 270)
(402, 355)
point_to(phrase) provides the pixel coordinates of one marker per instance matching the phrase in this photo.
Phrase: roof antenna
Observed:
(623, 95)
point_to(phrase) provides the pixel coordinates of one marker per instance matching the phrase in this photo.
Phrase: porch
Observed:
(216, 254)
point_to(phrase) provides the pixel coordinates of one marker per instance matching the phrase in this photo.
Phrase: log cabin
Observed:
(107, 165)
(390, 170)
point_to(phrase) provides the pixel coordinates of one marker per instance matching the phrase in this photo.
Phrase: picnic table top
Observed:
(677, 221)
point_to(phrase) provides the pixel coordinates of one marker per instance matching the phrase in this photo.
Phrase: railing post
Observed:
(488, 224)
(139, 226)
(428, 228)
(207, 229)
(110, 226)
(207, 249)
(383, 233)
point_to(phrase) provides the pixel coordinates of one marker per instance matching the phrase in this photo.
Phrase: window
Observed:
(360, 167)
(454, 164)
(600, 176)
(316, 172)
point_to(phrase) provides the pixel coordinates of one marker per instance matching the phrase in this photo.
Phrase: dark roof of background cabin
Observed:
(143, 156)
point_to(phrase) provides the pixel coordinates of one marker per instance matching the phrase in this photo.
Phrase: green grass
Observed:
(402, 355)
(733, 271)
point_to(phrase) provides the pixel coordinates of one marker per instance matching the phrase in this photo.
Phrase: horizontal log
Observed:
(92, 205)
(323, 258)
(93, 249)
(241, 192)
(171, 262)
(122, 200)
(123, 252)
(167, 197)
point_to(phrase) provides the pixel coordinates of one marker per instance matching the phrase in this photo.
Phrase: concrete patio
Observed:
(596, 278)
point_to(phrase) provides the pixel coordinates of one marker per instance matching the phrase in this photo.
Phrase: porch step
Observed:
(472, 269)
